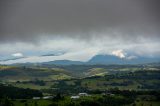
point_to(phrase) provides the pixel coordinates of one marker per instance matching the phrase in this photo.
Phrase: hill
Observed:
(64, 62)
(10, 73)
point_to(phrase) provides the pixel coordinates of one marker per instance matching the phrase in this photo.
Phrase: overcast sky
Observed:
(78, 29)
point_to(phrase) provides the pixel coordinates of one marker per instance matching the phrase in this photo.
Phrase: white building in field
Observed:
(48, 97)
(36, 98)
(75, 97)
(83, 94)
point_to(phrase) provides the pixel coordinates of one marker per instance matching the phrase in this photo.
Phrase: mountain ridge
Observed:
(106, 60)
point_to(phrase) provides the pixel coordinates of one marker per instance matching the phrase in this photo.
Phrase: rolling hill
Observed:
(12, 73)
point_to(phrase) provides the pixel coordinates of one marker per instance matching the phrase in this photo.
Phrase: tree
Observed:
(26, 104)
(35, 103)
(7, 102)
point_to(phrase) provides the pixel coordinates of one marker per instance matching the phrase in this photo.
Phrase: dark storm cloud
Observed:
(28, 20)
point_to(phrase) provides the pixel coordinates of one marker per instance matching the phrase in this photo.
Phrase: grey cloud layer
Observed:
(29, 20)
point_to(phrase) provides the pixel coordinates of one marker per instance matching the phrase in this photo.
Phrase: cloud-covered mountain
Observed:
(111, 59)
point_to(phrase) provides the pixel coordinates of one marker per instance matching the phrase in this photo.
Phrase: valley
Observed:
(99, 81)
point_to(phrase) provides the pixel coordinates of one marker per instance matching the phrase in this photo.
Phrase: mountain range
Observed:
(106, 60)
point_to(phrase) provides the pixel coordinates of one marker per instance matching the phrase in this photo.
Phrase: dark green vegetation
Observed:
(119, 98)
(107, 85)
(18, 93)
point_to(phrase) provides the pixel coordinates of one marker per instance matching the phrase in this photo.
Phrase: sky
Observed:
(77, 29)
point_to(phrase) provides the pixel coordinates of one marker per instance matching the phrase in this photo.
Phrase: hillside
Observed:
(48, 72)
(10, 73)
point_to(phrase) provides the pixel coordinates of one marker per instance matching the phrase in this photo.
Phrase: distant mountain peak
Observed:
(112, 59)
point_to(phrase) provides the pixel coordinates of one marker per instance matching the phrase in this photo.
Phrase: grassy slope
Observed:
(32, 102)
(96, 72)
(13, 74)
(148, 103)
